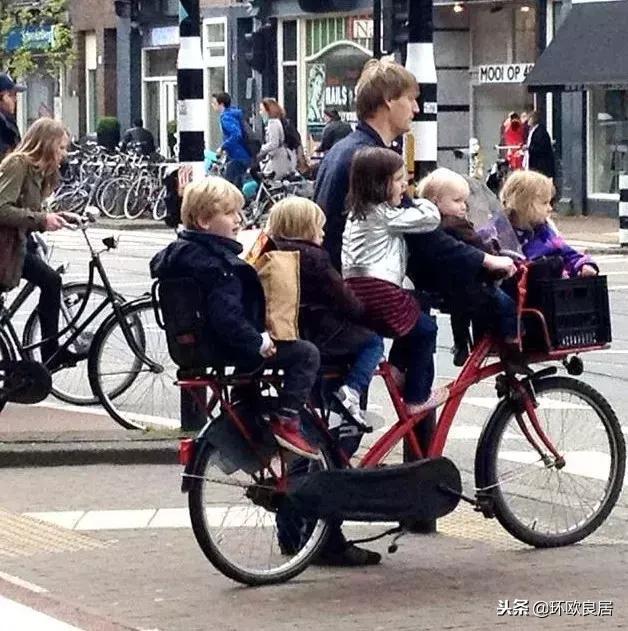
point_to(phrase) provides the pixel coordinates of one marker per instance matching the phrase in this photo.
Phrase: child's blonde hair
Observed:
(207, 198)
(295, 218)
(432, 185)
(523, 197)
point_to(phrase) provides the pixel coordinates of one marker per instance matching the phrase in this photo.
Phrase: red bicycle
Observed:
(549, 463)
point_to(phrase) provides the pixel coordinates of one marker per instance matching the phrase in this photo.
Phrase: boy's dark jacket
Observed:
(235, 298)
(330, 313)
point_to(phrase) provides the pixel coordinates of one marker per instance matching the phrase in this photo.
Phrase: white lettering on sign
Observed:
(503, 73)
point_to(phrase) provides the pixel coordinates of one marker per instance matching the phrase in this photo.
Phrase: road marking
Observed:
(115, 519)
(583, 463)
(17, 616)
(15, 580)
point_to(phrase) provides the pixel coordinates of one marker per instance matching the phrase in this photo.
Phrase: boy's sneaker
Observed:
(350, 401)
(287, 431)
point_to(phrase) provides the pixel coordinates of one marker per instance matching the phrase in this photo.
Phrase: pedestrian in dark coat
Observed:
(334, 131)
(540, 156)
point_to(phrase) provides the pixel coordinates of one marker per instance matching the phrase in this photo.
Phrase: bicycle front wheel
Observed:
(539, 499)
(239, 528)
(134, 377)
(71, 384)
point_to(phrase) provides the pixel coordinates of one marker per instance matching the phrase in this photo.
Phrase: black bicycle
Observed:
(113, 335)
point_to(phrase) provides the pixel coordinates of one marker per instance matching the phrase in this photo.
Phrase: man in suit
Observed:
(540, 153)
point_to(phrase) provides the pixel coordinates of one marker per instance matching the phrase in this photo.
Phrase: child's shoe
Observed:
(350, 401)
(437, 397)
(287, 431)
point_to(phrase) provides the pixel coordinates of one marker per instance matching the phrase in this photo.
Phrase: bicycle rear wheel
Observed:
(6, 356)
(234, 519)
(137, 197)
(137, 394)
(71, 384)
(537, 499)
(112, 195)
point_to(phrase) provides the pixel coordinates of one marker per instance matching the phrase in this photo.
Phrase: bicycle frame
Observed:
(111, 298)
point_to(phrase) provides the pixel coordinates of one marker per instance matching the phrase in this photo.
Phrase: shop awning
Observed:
(589, 49)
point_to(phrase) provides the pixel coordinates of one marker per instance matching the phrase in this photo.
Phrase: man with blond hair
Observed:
(386, 104)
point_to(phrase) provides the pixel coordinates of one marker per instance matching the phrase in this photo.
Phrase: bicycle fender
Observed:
(112, 317)
(481, 456)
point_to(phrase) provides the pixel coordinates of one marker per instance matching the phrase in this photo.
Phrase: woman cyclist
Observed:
(27, 176)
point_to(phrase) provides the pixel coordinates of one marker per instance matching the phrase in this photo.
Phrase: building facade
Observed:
(584, 70)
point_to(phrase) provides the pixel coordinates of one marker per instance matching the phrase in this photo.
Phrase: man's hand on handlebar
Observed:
(501, 266)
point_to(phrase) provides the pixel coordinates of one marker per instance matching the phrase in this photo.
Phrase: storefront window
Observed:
(337, 49)
(215, 48)
(499, 39)
(609, 139)
(161, 62)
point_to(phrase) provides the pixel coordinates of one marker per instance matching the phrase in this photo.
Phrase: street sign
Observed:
(503, 73)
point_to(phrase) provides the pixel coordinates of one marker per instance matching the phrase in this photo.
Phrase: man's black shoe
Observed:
(349, 556)
(65, 359)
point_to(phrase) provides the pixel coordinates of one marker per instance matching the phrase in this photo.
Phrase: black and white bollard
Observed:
(191, 106)
(191, 121)
(623, 209)
(420, 62)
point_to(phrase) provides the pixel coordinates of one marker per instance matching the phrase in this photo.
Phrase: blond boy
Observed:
(207, 251)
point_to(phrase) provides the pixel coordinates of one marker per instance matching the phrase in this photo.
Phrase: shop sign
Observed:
(164, 36)
(503, 73)
(331, 81)
(31, 37)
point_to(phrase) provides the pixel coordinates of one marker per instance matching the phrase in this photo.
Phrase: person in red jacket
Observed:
(513, 137)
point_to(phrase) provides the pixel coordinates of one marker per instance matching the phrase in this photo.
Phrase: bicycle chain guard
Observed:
(25, 381)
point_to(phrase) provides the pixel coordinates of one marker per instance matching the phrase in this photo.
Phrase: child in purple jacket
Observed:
(527, 200)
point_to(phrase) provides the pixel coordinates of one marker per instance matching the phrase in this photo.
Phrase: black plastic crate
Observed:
(576, 311)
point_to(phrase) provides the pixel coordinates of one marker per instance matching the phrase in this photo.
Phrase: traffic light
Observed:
(327, 6)
(256, 44)
(395, 15)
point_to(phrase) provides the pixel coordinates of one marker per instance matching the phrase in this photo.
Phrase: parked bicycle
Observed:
(261, 518)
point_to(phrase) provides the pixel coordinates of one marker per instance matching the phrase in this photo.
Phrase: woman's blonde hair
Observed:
(207, 198)
(432, 185)
(523, 198)
(295, 218)
(37, 147)
(381, 80)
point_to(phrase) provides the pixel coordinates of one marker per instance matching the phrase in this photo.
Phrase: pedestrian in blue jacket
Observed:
(234, 141)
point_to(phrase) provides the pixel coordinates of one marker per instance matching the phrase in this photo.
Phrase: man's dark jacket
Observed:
(332, 185)
(235, 298)
(334, 132)
(436, 259)
(9, 134)
(541, 153)
(143, 137)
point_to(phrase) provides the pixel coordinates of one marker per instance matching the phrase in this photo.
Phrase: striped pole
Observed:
(420, 62)
(623, 209)
(191, 120)
(192, 109)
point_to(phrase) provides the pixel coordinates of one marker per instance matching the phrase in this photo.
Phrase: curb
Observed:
(131, 224)
(56, 454)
